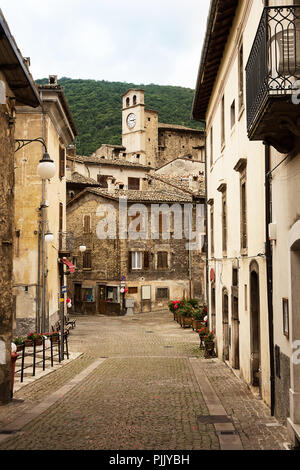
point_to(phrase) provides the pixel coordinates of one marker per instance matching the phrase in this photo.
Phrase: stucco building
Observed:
(16, 88)
(248, 95)
(40, 207)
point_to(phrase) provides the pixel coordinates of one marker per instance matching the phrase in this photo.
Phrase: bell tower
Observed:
(133, 122)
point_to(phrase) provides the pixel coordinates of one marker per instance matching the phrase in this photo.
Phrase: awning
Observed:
(69, 264)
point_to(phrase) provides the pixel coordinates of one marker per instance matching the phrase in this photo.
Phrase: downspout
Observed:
(269, 258)
(269, 261)
(206, 231)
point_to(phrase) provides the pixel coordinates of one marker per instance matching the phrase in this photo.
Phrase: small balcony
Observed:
(273, 79)
(65, 244)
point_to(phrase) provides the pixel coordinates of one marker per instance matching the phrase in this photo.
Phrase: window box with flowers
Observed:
(209, 344)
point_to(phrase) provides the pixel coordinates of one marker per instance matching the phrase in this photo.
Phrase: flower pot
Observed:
(209, 349)
(54, 339)
(38, 342)
(187, 322)
(20, 347)
(197, 324)
(28, 342)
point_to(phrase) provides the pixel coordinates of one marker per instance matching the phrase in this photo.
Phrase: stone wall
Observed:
(6, 246)
(178, 143)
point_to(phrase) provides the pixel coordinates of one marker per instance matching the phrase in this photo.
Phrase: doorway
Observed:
(235, 333)
(77, 299)
(225, 326)
(255, 326)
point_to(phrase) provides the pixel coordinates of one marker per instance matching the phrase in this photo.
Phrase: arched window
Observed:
(127, 102)
(134, 100)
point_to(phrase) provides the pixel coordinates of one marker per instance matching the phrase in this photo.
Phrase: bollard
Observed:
(14, 357)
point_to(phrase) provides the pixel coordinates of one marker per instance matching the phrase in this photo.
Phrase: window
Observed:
(232, 114)
(136, 259)
(162, 293)
(127, 102)
(88, 294)
(162, 260)
(132, 290)
(134, 183)
(87, 224)
(134, 100)
(224, 222)
(235, 278)
(212, 238)
(241, 78)
(87, 260)
(62, 162)
(285, 310)
(223, 122)
(211, 147)
(243, 215)
(61, 224)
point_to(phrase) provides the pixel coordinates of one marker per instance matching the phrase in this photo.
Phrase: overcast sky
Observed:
(137, 41)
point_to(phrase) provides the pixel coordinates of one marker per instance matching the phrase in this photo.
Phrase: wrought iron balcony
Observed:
(273, 77)
(65, 243)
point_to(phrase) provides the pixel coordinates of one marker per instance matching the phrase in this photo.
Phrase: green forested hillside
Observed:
(97, 108)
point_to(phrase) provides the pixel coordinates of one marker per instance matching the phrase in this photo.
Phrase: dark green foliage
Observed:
(97, 109)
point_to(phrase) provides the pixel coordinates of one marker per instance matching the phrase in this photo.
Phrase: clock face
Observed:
(131, 120)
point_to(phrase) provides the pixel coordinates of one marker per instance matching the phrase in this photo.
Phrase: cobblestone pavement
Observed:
(145, 393)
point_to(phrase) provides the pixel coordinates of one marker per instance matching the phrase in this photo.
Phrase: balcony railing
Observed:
(273, 68)
(66, 242)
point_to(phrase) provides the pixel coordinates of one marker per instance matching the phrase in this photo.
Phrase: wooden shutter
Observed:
(62, 162)
(87, 260)
(162, 259)
(87, 224)
(102, 180)
(134, 183)
(146, 260)
(129, 261)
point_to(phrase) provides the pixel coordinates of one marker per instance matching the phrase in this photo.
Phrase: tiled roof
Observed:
(95, 160)
(158, 196)
(181, 183)
(177, 127)
(77, 178)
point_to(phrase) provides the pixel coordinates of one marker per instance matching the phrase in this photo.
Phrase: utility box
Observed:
(129, 305)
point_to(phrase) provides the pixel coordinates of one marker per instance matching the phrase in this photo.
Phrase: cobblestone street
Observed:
(140, 383)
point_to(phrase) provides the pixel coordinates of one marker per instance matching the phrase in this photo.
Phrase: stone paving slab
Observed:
(147, 393)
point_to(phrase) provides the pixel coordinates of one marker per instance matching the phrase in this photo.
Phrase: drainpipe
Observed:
(269, 261)
(206, 230)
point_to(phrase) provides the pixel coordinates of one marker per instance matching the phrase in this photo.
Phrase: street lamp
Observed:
(46, 168)
(82, 248)
(49, 237)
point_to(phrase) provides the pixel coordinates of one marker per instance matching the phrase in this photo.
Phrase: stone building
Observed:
(144, 173)
(40, 207)
(16, 88)
(154, 270)
(248, 93)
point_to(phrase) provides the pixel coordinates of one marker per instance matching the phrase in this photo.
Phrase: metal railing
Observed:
(66, 241)
(273, 66)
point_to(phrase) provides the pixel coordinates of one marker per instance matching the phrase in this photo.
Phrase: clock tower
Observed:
(133, 123)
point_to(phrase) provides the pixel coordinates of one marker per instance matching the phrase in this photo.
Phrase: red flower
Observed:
(175, 306)
(174, 302)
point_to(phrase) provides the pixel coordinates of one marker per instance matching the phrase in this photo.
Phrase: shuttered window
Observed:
(87, 260)
(87, 224)
(162, 293)
(162, 259)
(102, 180)
(62, 162)
(134, 183)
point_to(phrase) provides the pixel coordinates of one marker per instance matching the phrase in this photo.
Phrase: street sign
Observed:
(123, 278)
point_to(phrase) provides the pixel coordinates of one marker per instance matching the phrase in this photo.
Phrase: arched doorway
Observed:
(255, 326)
(225, 326)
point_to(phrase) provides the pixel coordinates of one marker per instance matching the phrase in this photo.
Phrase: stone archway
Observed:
(255, 349)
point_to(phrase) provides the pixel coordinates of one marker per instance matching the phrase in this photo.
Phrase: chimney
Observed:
(52, 79)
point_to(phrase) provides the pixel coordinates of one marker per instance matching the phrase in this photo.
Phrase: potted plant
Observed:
(19, 342)
(197, 319)
(209, 344)
(202, 332)
(36, 338)
(186, 314)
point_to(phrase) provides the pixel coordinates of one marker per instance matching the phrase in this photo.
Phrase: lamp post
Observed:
(46, 170)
